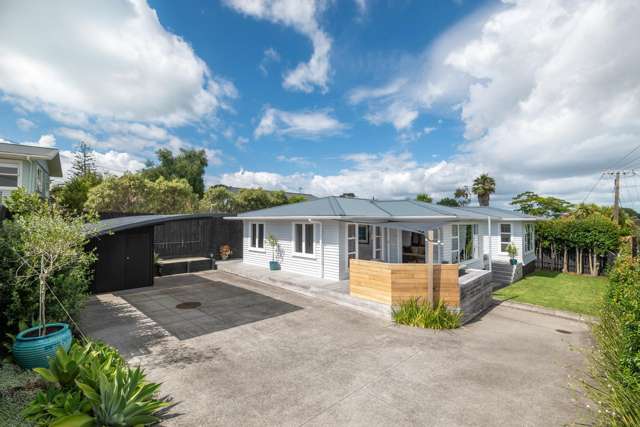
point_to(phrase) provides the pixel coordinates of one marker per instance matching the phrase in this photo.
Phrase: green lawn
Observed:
(579, 294)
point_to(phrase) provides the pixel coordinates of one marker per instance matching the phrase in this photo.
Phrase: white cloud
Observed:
(270, 55)
(214, 156)
(300, 124)
(112, 162)
(301, 15)
(295, 160)
(47, 141)
(112, 59)
(25, 124)
(547, 90)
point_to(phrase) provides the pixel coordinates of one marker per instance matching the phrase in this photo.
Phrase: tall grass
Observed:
(614, 377)
(414, 312)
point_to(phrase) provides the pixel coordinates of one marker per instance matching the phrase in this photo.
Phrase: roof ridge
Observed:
(375, 203)
(431, 206)
(335, 206)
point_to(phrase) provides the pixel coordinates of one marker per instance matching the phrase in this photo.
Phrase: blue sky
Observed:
(381, 98)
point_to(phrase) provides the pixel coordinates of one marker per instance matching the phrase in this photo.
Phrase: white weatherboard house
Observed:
(318, 237)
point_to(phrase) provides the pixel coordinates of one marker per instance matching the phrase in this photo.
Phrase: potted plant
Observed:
(273, 242)
(512, 250)
(225, 251)
(157, 268)
(46, 243)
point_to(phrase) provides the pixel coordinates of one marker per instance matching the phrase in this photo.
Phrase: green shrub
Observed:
(92, 385)
(415, 312)
(615, 362)
(41, 245)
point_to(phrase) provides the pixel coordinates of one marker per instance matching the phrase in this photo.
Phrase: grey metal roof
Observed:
(21, 151)
(113, 225)
(380, 210)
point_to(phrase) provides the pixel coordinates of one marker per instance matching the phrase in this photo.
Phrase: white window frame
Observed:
(500, 233)
(16, 165)
(378, 250)
(474, 238)
(40, 180)
(354, 238)
(257, 248)
(304, 252)
(529, 238)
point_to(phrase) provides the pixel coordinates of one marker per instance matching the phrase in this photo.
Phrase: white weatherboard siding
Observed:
(310, 265)
(517, 237)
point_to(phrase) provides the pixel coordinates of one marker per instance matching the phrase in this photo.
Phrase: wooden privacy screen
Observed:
(393, 283)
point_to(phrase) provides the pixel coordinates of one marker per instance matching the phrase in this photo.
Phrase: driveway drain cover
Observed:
(190, 304)
(562, 331)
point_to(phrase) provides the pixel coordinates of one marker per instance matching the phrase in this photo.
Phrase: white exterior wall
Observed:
(517, 237)
(310, 265)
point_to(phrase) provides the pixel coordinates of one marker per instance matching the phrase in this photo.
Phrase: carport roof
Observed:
(347, 208)
(113, 225)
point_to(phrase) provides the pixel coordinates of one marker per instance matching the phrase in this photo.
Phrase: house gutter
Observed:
(344, 218)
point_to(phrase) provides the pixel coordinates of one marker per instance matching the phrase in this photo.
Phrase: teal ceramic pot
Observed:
(33, 351)
(514, 261)
(274, 265)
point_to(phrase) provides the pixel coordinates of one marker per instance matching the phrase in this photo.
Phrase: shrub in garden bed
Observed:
(91, 385)
(614, 382)
(415, 312)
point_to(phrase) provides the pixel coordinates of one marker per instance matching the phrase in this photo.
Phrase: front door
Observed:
(137, 271)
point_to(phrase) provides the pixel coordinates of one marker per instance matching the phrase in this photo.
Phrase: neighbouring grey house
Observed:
(29, 167)
(318, 237)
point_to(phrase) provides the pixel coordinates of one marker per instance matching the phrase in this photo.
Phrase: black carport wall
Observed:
(125, 250)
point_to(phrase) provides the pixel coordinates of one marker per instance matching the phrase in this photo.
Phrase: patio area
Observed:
(315, 363)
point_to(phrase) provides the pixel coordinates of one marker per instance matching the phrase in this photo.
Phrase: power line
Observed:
(593, 188)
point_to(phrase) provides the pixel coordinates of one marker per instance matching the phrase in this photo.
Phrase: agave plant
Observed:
(54, 404)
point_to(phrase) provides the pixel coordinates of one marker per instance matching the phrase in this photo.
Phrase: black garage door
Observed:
(125, 260)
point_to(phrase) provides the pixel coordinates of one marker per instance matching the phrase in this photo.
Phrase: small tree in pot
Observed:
(273, 242)
(45, 242)
(512, 250)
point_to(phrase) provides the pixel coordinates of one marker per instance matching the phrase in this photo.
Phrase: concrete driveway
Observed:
(251, 354)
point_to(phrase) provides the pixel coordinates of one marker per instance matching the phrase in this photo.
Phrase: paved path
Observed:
(294, 360)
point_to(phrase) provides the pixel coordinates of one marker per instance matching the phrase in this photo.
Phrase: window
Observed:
(529, 239)
(9, 176)
(40, 181)
(303, 238)
(463, 242)
(257, 236)
(505, 237)
(352, 241)
(377, 242)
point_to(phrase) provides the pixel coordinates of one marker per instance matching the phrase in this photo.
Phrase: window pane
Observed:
(454, 230)
(261, 235)
(308, 238)
(254, 234)
(454, 244)
(505, 238)
(351, 230)
(8, 181)
(298, 238)
(8, 170)
(468, 243)
(351, 245)
(503, 247)
(505, 228)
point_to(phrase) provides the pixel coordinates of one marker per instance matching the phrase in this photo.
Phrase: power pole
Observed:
(616, 198)
(616, 189)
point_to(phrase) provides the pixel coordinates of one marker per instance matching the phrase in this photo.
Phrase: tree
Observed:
(188, 165)
(218, 199)
(483, 187)
(449, 201)
(296, 198)
(348, 195)
(250, 199)
(84, 161)
(72, 194)
(132, 193)
(43, 243)
(424, 197)
(462, 196)
(532, 204)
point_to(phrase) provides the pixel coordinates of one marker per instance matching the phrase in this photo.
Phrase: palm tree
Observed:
(483, 187)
